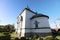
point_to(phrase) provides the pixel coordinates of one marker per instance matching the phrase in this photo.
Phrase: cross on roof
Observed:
(27, 7)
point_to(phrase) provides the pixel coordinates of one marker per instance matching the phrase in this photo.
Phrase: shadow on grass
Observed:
(5, 37)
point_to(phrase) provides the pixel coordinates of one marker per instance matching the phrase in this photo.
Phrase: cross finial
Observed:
(36, 12)
(27, 7)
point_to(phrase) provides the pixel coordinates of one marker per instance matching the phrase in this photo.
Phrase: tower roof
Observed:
(39, 15)
(27, 8)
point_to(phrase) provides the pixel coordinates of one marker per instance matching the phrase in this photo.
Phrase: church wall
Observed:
(38, 34)
(43, 25)
(21, 24)
(28, 21)
(28, 26)
(37, 30)
(41, 30)
(18, 27)
(42, 22)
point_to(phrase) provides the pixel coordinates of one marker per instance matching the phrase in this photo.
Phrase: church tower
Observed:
(30, 23)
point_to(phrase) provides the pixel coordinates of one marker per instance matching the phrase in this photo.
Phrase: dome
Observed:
(39, 15)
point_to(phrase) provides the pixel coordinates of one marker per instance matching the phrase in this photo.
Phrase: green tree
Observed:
(9, 28)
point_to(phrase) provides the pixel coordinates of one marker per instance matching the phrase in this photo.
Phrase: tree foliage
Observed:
(7, 28)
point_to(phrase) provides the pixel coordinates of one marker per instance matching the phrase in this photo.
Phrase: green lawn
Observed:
(58, 37)
(12, 35)
(1, 34)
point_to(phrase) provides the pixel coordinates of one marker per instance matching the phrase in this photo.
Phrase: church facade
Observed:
(30, 23)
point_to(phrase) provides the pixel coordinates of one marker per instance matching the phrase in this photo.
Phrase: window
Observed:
(36, 24)
(21, 18)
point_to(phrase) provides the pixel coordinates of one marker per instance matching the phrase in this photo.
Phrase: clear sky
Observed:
(10, 9)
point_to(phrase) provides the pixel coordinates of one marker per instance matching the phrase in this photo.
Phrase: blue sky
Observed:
(10, 9)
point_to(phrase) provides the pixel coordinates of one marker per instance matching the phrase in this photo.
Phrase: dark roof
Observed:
(39, 15)
(36, 15)
(28, 10)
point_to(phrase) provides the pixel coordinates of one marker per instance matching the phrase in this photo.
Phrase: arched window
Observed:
(21, 18)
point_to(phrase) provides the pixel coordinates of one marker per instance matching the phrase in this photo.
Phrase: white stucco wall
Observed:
(22, 24)
(41, 30)
(38, 30)
(43, 22)
(28, 21)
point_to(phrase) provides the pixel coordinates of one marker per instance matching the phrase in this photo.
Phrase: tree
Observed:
(54, 34)
(9, 28)
(1, 28)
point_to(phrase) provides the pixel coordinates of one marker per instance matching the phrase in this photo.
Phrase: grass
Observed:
(12, 35)
(58, 37)
(1, 34)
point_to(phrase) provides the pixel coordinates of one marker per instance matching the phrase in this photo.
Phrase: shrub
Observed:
(40, 38)
(35, 37)
(58, 37)
(48, 38)
(23, 38)
(17, 38)
(54, 39)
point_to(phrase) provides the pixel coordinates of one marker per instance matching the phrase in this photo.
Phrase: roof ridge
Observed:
(30, 10)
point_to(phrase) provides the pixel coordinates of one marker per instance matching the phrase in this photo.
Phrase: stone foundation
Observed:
(38, 34)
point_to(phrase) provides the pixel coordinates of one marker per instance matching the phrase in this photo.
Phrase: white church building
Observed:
(30, 23)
